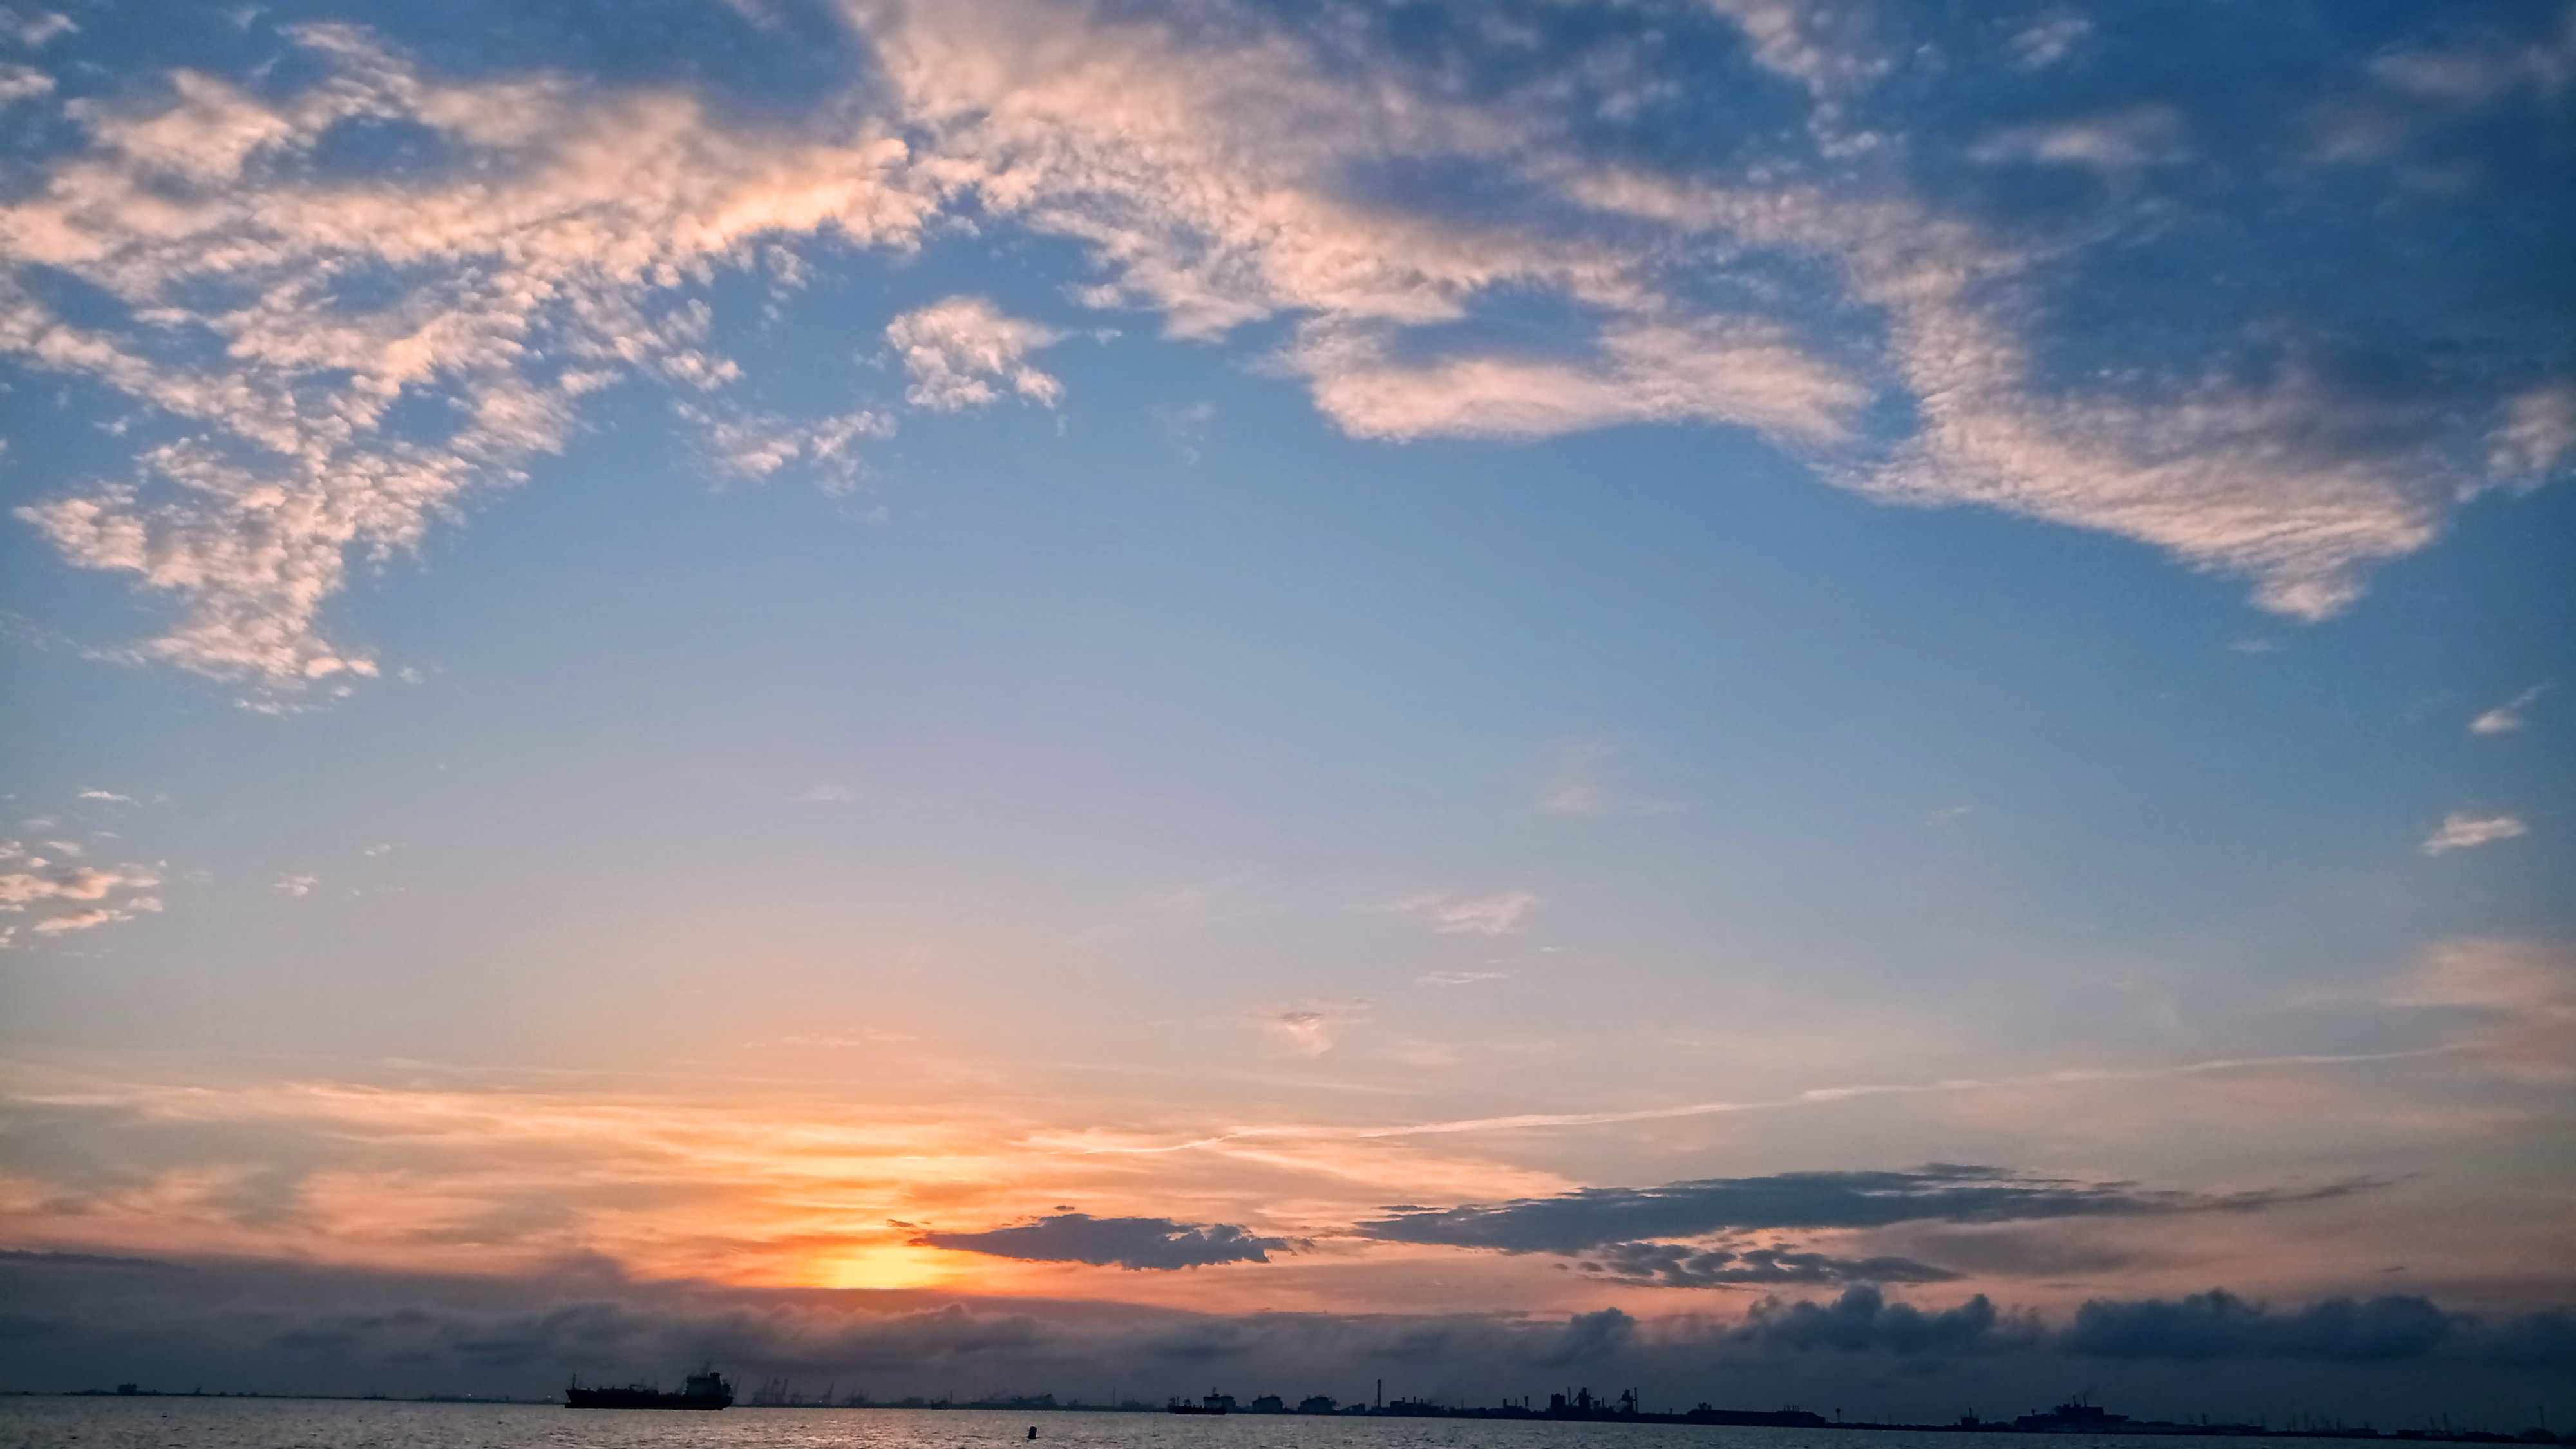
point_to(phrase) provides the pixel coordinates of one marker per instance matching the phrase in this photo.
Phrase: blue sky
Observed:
(1232, 614)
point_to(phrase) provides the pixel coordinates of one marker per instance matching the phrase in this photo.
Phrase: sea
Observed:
(194, 1423)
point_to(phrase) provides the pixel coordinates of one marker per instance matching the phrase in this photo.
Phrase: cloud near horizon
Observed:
(1135, 1243)
(300, 1326)
(322, 362)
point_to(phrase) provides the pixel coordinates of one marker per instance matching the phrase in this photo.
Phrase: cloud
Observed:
(1309, 1028)
(2459, 831)
(1681, 1265)
(83, 920)
(1459, 978)
(96, 895)
(1862, 1320)
(1593, 1217)
(2537, 433)
(2201, 1328)
(1584, 783)
(2518, 996)
(957, 349)
(751, 447)
(2507, 717)
(2294, 480)
(296, 886)
(2049, 41)
(1715, 371)
(554, 254)
(1501, 914)
(282, 326)
(107, 796)
(2486, 71)
(34, 31)
(22, 83)
(80, 883)
(333, 1329)
(2121, 141)
(1137, 1243)
(2219, 1324)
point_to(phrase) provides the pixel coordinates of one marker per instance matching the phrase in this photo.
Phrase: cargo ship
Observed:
(1214, 1403)
(707, 1390)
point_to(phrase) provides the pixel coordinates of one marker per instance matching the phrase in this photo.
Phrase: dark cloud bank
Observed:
(71, 1320)
(1598, 1216)
(1626, 1232)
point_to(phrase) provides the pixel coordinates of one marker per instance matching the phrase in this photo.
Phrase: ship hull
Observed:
(641, 1399)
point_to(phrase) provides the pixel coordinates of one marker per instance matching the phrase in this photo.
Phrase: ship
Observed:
(2072, 1417)
(1214, 1403)
(705, 1390)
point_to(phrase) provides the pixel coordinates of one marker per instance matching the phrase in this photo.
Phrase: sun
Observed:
(888, 1265)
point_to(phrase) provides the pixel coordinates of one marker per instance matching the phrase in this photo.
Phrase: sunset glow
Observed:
(1756, 697)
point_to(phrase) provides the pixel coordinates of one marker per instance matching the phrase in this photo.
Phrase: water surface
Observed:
(193, 1423)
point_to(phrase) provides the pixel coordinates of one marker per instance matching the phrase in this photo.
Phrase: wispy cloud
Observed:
(296, 887)
(2519, 996)
(2507, 717)
(1733, 371)
(2121, 141)
(1309, 1028)
(2460, 831)
(36, 29)
(22, 83)
(1503, 913)
(1585, 782)
(1460, 978)
(2049, 41)
(2536, 433)
(1812, 1097)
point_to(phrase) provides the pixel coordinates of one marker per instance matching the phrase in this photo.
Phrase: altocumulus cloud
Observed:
(272, 317)
(1143, 1243)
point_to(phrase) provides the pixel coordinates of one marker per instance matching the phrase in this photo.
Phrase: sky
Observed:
(1784, 700)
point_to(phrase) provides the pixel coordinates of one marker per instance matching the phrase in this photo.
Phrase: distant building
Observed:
(1315, 1404)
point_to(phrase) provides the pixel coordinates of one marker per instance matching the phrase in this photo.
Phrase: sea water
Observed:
(194, 1423)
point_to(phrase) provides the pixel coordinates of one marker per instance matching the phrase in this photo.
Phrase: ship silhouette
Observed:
(705, 1390)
